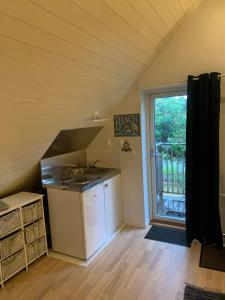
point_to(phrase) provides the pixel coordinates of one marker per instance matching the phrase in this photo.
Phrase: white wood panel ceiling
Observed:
(63, 60)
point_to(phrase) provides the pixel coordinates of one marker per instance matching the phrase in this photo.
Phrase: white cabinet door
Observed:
(113, 204)
(94, 219)
(65, 222)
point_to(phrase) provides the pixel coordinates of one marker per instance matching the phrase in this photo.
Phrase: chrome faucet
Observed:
(92, 164)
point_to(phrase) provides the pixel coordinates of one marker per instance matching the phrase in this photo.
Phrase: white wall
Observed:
(62, 61)
(198, 47)
(129, 162)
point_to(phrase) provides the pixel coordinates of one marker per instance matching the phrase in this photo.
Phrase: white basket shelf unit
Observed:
(22, 233)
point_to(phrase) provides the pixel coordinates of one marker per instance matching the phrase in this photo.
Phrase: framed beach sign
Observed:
(127, 125)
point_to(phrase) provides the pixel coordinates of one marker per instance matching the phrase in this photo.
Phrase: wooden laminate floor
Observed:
(130, 268)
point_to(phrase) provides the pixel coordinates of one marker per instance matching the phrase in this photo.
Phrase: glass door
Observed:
(168, 145)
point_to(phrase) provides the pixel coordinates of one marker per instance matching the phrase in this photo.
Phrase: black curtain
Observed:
(202, 160)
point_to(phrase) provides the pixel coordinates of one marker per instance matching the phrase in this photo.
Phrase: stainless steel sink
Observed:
(72, 175)
(88, 171)
(96, 170)
(78, 179)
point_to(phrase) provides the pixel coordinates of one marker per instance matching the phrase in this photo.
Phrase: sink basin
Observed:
(81, 181)
(89, 171)
(85, 178)
(96, 170)
(78, 179)
(73, 176)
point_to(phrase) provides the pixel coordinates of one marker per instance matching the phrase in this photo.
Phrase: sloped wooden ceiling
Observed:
(63, 60)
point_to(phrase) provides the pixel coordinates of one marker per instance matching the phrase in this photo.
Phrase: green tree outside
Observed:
(170, 124)
(170, 119)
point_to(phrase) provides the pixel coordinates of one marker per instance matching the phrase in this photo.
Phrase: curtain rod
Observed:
(170, 82)
(221, 76)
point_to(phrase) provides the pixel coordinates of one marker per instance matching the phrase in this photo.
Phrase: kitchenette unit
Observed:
(84, 201)
(84, 216)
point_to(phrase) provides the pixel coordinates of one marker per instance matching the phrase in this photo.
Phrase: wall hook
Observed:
(126, 147)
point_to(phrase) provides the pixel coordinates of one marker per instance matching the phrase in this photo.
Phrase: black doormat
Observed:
(167, 235)
(196, 293)
(212, 258)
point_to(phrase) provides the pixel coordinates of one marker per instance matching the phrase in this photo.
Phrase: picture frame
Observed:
(127, 125)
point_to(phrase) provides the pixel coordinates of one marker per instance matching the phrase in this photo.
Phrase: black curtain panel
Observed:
(202, 160)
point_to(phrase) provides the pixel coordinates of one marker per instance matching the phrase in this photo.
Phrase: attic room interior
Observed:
(112, 149)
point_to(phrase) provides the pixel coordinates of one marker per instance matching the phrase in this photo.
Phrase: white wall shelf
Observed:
(24, 210)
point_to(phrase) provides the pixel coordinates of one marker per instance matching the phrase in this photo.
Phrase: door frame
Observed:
(150, 143)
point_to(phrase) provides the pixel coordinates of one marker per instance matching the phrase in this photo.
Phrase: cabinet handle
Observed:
(106, 185)
(94, 196)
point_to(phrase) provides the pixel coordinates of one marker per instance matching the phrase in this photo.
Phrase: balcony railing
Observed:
(170, 168)
(170, 179)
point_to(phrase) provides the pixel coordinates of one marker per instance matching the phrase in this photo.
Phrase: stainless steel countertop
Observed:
(66, 177)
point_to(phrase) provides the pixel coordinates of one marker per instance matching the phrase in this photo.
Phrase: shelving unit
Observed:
(22, 233)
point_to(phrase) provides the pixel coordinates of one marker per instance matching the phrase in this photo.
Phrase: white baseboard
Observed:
(137, 225)
(116, 233)
(67, 258)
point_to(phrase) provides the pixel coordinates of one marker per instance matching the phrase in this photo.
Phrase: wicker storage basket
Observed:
(10, 222)
(33, 231)
(13, 264)
(35, 249)
(11, 244)
(32, 212)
